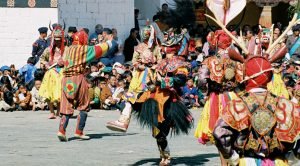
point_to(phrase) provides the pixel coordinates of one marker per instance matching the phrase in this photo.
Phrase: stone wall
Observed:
(117, 14)
(18, 31)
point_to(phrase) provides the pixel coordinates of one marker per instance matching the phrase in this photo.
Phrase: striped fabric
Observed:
(77, 56)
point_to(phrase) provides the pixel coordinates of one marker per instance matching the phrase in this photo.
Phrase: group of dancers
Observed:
(248, 123)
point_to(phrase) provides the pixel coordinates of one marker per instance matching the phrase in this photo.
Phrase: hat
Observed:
(119, 68)
(98, 27)
(107, 70)
(296, 27)
(43, 29)
(258, 72)
(3, 68)
(72, 29)
(234, 7)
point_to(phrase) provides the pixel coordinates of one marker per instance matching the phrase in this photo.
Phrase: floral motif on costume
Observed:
(70, 87)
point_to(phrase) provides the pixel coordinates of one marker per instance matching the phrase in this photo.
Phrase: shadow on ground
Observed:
(99, 136)
(197, 160)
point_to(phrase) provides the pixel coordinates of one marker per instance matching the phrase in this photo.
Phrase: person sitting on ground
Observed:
(94, 93)
(105, 94)
(190, 94)
(38, 102)
(27, 72)
(23, 98)
(6, 99)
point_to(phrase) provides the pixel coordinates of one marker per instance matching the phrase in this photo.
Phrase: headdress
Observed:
(258, 72)
(80, 38)
(57, 34)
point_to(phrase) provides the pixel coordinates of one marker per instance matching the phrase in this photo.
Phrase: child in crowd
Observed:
(190, 94)
(6, 99)
(23, 98)
(38, 102)
(94, 93)
(105, 95)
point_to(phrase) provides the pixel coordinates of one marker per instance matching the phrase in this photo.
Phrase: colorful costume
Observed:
(258, 128)
(144, 58)
(161, 109)
(222, 77)
(74, 85)
(52, 58)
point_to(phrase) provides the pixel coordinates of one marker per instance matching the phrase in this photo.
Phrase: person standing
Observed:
(291, 41)
(130, 43)
(109, 58)
(68, 37)
(52, 60)
(40, 44)
(74, 84)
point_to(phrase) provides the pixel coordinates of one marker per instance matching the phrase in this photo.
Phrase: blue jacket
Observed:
(28, 72)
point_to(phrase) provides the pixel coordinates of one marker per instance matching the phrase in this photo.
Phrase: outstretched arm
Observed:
(96, 52)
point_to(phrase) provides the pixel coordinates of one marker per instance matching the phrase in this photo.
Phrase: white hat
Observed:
(217, 8)
(119, 67)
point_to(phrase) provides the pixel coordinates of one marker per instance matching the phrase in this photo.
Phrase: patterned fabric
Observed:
(74, 89)
(143, 54)
(77, 56)
(247, 161)
(210, 114)
(277, 86)
(51, 85)
(171, 65)
(261, 112)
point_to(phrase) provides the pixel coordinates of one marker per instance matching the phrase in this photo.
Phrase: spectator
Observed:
(127, 78)
(108, 59)
(27, 72)
(6, 72)
(6, 99)
(94, 36)
(69, 39)
(40, 44)
(190, 94)
(119, 56)
(94, 93)
(23, 98)
(105, 94)
(165, 8)
(291, 40)
(130, 43)
(6, 95)
(38, 102)
(136, 21)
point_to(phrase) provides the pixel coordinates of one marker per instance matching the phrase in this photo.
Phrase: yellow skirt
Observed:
(208, 118)
(277, 86)
(51, 85)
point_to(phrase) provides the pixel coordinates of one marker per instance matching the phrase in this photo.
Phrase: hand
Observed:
(192, 96)
(60, 62)
(197, 104)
